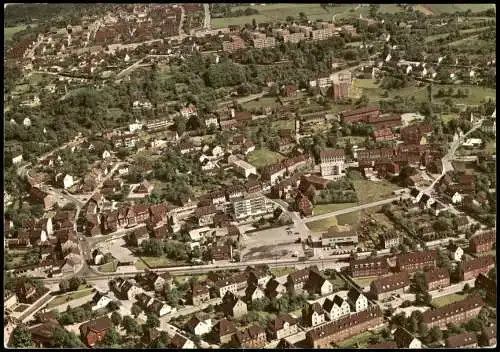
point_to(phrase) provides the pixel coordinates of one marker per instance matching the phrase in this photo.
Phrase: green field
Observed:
(109, 267)
(10, 31)
(348, 218)
(156, 262)
(389, 8)
(320, 209)
(338, 284)
(361, 340)
(491, 147)
(322, 225)
(279, 13)
(67, 297)
(432, 38)
(444, 300)
(450, 8)
(282, 271)
(364, 281)
(369, 191)
(263, 157)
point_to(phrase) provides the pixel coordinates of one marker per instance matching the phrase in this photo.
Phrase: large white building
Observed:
(243, 167)
(332, 163)
(251, 205)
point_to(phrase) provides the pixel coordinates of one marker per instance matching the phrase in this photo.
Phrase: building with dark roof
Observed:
(471, 268)
(386, 286)
(464, 340)
(416, 261)
(454, 313)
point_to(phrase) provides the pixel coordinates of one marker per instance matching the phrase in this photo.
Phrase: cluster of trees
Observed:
(71, 285)
(172, 249)
(284, 304)
(341, 191)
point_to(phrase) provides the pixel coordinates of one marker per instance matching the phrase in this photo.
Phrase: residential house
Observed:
(233, 306)
(318, 284)
(9, 299)
(100, 300)
(359, 115)
(313, 315)
(369, 267)
(416, 261)
(289, 91)
(451, 194)
(303, 205)
(180, 342)
(225, 285)
(454, 313)
(389, 285)
(483, 242)
(462, 224)
(150, 336)
(463, 340)
(155, 281)
(489, 335)
(487, 284)
(437, 278)
(333, 238)
(199, 326)
(282, 326)
(404, 339)
(390, 240)
(42, 335)
(357, 300)
(258, 277)
(125, 289)
(94, 330)
(456, 252)
(159, 308)
(199, 294)
(470, 269)
(252, 337)
(383, 135)
(253, 292)
(332, 163)
(25, 292)
(296, 281)
(205, 215)
(336, 308)
(37, 195)
(221, 252)
(274, 289)
(324, 335)
(223, 331)
(144, 187)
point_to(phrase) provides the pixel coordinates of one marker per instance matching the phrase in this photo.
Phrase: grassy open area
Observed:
(444, 300)
(279, 13)
(361, 340)
(21, 308)
(450, 8)
(263, 157)
(320, 209)
(10, 31)
(158, 262)
(282, 271)
(348, 218)
(109, 267)
(369, 191)
(389, 8)
(67, 297)
(364, 281)
(260, 103)
(432, 38)
(322, 225)
(491, 147)
(338, 284)
(382, 219)
(200, 278)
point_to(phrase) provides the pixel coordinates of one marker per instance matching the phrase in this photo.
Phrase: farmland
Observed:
(263, 157)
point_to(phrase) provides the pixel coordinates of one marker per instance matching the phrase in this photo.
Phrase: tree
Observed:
(492, 274)
(466, 288)
(63, 285)
(135, 310)
(21, 337)
(74, 283)
(152, 320)
(435, 333)
(180, 124)
(111, 338)
(116, 318)
(130, 326)
(474, 325)
(422, 329)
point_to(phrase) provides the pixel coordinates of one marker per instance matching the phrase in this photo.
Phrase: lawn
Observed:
(432, 38)
(260, 103)
(348, 218)
(263, 157)
(374, 92)
(21, 308)
(279, 13)
(157, 262)
(200, 278)
(364, 281)
(450, 8)
(370, 191)
(389, 8)
(491, 147)
(322, 225)
(447, 117)
(320, 209)
(445, 300)
(67, 297)
(382, 219)
(338, 284)
(282, 271)
(10, 31)
(109, 267)
(361, 340)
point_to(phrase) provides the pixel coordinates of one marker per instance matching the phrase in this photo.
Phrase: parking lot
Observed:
(118, 250)
(271, 243)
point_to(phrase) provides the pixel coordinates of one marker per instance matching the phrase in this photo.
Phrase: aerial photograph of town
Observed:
(239, 175)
